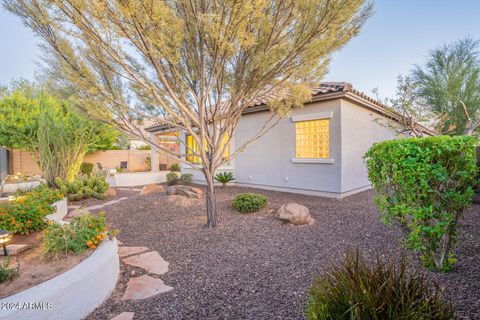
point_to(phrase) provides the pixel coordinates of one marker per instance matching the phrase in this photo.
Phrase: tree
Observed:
(193, 64)
(48, 127)
(450, 85)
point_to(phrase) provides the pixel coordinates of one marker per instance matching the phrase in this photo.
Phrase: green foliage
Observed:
(28, 211)
(7, 272)
(172, 178)
(360, 290)
(424, 184)
(224, 177)
(83, 232)
(175, 167)
(144, 147)
(249, 202)
(450, 85)
(86, 168)
(51, 128)
(83, 187)
(186, 179)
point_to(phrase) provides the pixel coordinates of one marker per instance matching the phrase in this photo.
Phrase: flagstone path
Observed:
(146, 285)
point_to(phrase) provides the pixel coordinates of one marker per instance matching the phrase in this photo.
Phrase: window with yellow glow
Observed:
(313, 139)
(194, 148)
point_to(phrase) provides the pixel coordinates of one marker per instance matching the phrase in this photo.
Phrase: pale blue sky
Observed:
(400, 34)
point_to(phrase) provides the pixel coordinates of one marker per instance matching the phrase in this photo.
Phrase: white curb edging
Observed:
(71, 295)
(61, 211)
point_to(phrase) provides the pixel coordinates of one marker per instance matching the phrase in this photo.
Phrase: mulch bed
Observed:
(255, 267)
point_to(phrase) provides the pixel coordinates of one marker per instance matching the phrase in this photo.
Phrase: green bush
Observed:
(86, 168)
(145, 147)
(175, 167)
(83, 187)
(424, 184)
(7, 272)
(249, 202)
(172, 178)
(224, 177)
(83, 232)
(186, 179)
(360, 290)
(28, 211)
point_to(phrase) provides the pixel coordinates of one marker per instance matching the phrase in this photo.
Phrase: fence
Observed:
(23, 161)
(3, 163)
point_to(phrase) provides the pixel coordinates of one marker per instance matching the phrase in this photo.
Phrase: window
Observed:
(313, 139)
(193, 147)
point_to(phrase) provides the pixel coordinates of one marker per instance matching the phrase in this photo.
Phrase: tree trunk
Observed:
(211, 202)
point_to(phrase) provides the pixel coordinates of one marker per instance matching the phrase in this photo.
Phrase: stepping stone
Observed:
(72, 206)
(128, 251)
(14, 249)
(144, 287)
(78, 212)
(123, 316)
(149, 261)
(108, 203)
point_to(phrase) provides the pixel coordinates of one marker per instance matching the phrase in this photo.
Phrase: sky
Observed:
(399, 35)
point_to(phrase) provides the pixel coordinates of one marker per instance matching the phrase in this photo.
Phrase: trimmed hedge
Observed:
(424, 184)
(249, 202)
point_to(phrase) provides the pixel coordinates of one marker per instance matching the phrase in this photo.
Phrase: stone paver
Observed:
(128, 251)
(123, 316)
(14, 249)
(151, 262)
(144, 287)
(108, 203)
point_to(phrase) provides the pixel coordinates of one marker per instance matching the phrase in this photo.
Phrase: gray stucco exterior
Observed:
(269, 162)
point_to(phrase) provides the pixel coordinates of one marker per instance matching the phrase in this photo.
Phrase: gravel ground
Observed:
(255, 267)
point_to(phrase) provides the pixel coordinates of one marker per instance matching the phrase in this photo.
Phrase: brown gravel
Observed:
(255, 267)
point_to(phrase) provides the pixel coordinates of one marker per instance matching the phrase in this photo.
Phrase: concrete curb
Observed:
(61, 211)
(71, 295)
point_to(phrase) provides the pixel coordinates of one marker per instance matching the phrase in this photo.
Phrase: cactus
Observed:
(99, 196)
(83, 187)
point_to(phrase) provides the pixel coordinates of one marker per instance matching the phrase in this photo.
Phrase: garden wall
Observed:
(23, 161)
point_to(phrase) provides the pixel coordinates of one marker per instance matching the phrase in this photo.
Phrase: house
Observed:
(317, 150)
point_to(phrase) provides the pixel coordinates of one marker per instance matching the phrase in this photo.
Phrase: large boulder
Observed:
(152, 188)
(186, 191)
(111, 192)
(294, 213)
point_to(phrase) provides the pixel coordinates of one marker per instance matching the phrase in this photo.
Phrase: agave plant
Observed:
(224, 178)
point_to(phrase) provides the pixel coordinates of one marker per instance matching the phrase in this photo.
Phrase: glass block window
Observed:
(313, 139)
(193, 147)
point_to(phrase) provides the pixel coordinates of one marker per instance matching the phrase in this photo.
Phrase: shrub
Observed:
(172, 178)
(186, 179)
(86, 168)
(224, 177)
(360, 290)
(175, 167)
(424, 184)
(83, 187)
(7, 272)
(249, 202)
(83, 232)
(144, 147)
(28, 211)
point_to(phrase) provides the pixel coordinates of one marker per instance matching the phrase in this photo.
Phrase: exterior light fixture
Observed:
(5, 237)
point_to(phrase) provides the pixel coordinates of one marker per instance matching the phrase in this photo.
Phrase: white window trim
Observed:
(313, 160)
(312, 116)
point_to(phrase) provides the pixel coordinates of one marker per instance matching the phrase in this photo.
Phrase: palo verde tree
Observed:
(449, 83)
(50, 129)
(193, 64)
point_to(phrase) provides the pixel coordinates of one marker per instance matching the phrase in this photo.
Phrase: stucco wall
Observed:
(268, 162)
(360, 129)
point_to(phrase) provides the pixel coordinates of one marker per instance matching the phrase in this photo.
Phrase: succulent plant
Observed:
(83, 187)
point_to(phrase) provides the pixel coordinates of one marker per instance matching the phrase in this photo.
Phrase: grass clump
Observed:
(7, 272)
(249, 202)
(360, 290)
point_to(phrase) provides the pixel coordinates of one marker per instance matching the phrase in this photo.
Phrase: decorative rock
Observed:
(111, 192)
(149, 261)
(181, 200)
(128, 251)
(78, 212)
(152, 188)
(123, 316)
(294, 213)
(186, 191)
(144, 287)
(14, 249)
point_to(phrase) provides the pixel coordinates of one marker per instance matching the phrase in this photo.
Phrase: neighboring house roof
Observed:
(325, 91)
